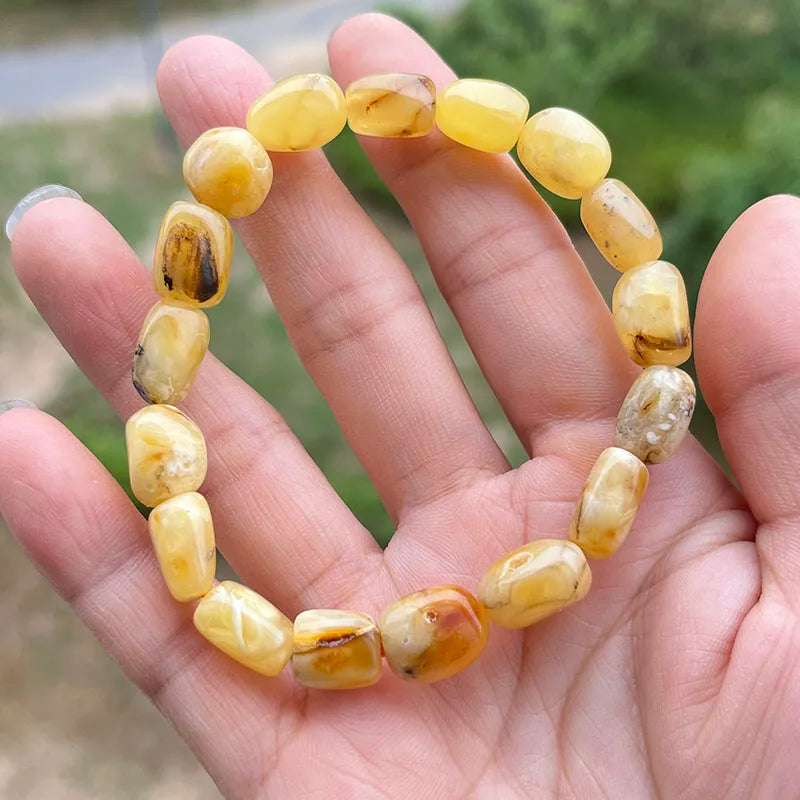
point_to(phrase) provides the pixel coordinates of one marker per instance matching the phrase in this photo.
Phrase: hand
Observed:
(677, 676)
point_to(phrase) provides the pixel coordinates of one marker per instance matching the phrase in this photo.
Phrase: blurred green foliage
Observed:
(699, 99)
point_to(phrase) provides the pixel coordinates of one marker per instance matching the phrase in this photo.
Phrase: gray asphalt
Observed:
(93, 76)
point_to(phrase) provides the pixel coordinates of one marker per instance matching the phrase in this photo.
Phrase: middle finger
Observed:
(529, 309)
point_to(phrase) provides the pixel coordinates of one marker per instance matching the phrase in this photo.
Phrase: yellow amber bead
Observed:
(484, 115)
(245, 627)
(433, 634)
(564, 152)
(183, 540)
(166, 454)
(298, 113)
(392, 105)
(620, 225)
(651, 313)
(656, 413)
(336, 650)
(608, 503)
(193, 255)
(171, 347)
(229, 170)
(533, 582)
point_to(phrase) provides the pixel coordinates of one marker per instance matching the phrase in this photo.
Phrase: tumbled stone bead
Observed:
(608, 503)
(336, 650)
(299, 113)
(620, 225)
(564, 152)
(193, 255)
(651, 314)
(656, 413)
(183, 539)
(533, 582)
(484, 115)
(166, 454)
(397, 105)
(245, 627)
(171, 347)
(228, 170)
(433, 634)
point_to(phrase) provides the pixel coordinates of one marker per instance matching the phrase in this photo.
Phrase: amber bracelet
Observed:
(437, 632)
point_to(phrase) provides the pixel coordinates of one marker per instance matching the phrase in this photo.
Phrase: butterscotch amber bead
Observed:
(609, 502)
(299, 113)
(564, 152)
(336, 650)
(229, 170)
(620, 225)
(433, 634)
(656, 412)
(193, 255)
(533, 582)
(171, 347)
(166, 454)
(183, 540)
(396, 105)
(651, 314)
(484, 115)
(246, 627)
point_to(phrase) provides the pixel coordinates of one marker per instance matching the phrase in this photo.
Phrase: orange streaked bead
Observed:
(433, 634)
(336, 649)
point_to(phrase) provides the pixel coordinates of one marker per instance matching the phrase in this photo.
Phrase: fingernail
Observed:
(7, 405)
(39, 194)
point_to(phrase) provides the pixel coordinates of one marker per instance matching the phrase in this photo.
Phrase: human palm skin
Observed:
(677, 676)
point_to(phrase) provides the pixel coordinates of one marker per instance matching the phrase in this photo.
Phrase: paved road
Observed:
(88, 77)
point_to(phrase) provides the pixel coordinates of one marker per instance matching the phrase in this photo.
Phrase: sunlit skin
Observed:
(676, 676)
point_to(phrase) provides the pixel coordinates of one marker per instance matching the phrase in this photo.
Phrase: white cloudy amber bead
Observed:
(245, 627)
(656, 412)
(171, 347)
(336, 649)
(166, 454)
(533, 582)
(651, 314)
(608, 503)
(183, 539)
(564, 152)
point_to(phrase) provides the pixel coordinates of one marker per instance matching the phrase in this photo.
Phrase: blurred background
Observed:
(701, 102)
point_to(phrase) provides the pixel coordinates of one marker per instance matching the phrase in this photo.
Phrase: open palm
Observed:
(677, 676)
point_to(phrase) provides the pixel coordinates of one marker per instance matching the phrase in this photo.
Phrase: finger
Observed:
(278, 521)
(748, 363)
(527, 305)
(350, 305)
(92, 544)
